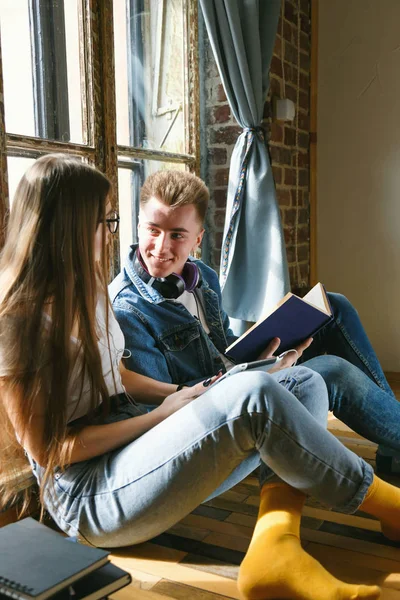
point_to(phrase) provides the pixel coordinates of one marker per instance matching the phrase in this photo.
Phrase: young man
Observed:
(169, 308)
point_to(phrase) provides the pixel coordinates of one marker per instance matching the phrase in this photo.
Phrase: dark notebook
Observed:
(293, 320)
(37, 562)
(99, 584)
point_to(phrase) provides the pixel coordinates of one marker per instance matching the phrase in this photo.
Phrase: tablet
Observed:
(257, 365)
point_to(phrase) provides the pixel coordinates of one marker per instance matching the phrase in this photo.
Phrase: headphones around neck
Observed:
(173, 285)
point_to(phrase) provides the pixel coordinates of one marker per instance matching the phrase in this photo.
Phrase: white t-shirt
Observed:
(79, 404)
(193, 305)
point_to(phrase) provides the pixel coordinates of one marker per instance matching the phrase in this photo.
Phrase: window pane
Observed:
(130, 181)
(150, 78)
(151, 166)
(17, 67)
(16, 168)
(127, 196)
(42, 78)
(75, 87)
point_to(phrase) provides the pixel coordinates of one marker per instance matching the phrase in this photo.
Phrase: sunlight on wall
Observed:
(358, 164)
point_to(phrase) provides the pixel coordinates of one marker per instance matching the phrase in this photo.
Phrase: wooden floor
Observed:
(198, 559)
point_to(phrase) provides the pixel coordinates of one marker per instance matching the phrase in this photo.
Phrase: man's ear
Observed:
(198, 241)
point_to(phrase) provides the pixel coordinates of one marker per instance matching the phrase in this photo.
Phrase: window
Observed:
(154, 100)
(115, 82)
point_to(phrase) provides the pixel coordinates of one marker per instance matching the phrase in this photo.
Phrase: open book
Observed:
(293, 320)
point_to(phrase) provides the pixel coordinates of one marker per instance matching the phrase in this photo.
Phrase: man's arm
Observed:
(144, 355)
(272, 347)
(230, 337)
(146, 359)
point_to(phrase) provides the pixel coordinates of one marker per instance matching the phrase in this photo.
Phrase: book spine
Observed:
(321, 326)
(13, 589)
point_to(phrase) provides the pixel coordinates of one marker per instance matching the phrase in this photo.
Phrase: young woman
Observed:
(115, 476)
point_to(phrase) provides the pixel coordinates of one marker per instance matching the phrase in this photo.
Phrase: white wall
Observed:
(358, 201)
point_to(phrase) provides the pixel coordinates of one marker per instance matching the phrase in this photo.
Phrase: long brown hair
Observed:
(48, 265)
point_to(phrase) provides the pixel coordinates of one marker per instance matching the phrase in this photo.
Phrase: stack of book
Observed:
(37, 563)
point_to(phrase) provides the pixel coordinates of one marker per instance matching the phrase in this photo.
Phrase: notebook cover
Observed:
(98, 584)
(292, 322)
(36, 562)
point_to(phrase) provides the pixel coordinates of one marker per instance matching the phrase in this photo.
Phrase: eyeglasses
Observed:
(112, 221)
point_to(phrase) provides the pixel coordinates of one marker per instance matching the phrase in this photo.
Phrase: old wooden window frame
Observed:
(101, 149)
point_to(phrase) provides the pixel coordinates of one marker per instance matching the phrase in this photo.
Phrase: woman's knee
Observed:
(249, 391)
(306, 385)
(309, 380)
(247, 382)
(309, 388)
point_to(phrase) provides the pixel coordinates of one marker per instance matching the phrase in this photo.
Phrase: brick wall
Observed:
(289, 152)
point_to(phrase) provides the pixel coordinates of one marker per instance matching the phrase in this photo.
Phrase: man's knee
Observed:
(333, 369)
(341, 306)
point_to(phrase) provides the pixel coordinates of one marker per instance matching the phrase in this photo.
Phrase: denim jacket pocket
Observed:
(186, 353)
(180, 338)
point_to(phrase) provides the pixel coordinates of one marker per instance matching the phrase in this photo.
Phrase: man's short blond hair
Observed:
(176, 188)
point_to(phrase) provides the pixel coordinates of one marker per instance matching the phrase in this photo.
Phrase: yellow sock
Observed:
(383, 501)
(276, 566)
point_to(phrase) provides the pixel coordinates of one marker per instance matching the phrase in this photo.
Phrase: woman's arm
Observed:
(95, 440)
(143, 388)
(92, 440)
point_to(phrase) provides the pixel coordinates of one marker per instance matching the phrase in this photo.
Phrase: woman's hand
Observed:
(289, 359)
(177, 400)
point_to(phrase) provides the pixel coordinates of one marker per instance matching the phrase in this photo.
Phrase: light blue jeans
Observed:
(138, 491)
(359, 394)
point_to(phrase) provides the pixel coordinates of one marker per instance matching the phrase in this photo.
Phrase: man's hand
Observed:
(289, 359)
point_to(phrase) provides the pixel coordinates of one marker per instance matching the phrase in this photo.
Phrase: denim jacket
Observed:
(165, 340)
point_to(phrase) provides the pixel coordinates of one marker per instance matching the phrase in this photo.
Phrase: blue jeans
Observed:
(359, 394)
(345, 336)
(136, 492)
(357, 401)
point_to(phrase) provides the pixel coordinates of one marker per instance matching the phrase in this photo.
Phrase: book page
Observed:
(317, 297)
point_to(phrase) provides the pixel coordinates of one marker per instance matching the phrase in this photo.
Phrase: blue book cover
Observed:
(101, 583)
(37, 562)
(293, 320)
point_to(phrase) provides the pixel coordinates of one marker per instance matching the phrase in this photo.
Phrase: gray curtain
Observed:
(254, 273)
